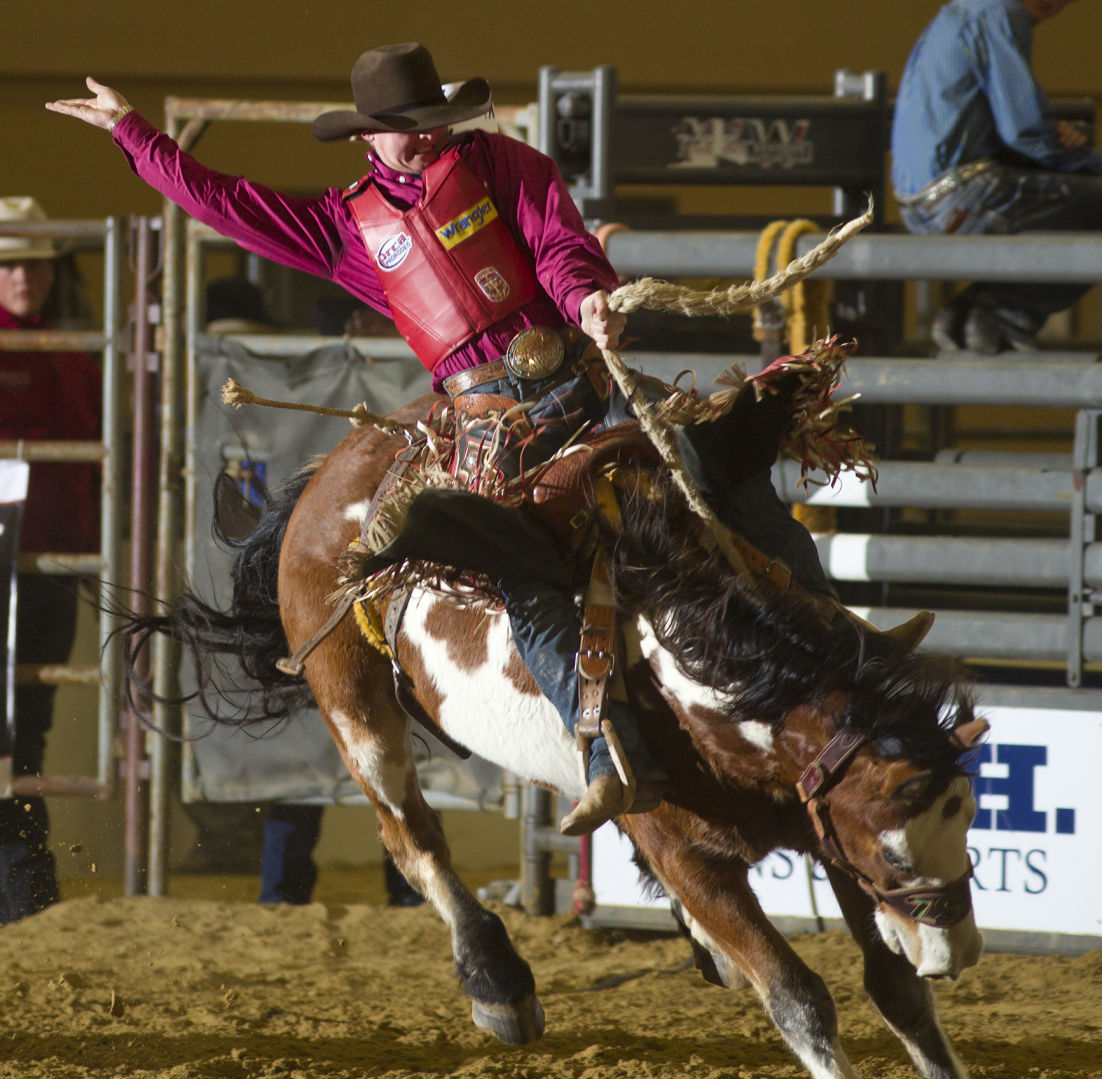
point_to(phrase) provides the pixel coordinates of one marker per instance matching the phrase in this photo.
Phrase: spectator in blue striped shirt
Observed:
(975, 151)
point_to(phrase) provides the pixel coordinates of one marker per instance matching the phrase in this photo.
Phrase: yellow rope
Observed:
(762, 259)
(805, 305)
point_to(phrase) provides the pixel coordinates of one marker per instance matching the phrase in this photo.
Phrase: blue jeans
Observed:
(547, 632)
(1005, 200)
(287, 869)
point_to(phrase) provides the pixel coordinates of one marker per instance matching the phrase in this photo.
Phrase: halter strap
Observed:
(828, 766)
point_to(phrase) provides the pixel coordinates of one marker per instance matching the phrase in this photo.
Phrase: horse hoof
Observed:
(513, 1025)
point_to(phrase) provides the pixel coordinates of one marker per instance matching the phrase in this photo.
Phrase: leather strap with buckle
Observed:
(596, 658)
(462, 381)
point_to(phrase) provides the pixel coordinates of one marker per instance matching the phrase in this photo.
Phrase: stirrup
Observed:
(644, 795)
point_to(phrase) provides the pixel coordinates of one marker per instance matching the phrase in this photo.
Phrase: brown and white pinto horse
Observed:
(776, 731)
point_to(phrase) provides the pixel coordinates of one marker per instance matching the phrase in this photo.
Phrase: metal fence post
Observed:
(1081, 601)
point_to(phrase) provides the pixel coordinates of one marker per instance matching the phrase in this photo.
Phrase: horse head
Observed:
(897, 827)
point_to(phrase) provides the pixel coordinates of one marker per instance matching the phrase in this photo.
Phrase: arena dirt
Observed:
(189, 988)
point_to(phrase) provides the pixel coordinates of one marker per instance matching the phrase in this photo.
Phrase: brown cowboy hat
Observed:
(396, 88)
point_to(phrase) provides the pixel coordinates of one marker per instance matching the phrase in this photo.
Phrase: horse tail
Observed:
(244, 639)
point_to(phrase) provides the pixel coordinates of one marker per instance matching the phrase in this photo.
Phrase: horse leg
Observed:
(497, 980)
(905, 1000)
(715, 968)
(355, 697)
(353, 688)
(723, 917)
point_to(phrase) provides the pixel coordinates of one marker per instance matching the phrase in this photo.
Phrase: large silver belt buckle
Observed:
(534, 353)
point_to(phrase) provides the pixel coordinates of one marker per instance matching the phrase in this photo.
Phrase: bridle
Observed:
(941, 906)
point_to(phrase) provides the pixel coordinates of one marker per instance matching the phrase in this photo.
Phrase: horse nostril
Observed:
(951, 807)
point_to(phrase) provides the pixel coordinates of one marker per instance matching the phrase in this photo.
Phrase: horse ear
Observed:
(968, 734)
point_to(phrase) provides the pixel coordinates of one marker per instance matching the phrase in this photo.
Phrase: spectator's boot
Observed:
(989, 332)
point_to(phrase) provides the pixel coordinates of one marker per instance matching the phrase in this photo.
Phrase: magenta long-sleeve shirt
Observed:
(320, 237)
(53, 396)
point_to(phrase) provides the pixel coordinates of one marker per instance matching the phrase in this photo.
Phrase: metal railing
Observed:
(1040, 257)
(108, 236)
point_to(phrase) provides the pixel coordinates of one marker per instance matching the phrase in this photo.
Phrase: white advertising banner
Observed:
(1034, 842)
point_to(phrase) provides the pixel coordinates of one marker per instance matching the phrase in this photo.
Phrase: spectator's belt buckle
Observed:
(534, 353)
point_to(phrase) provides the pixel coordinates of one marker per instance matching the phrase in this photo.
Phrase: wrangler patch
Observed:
(467, 223)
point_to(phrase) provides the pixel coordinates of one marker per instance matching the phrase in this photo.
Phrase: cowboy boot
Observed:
(604, 798)
(622, 775)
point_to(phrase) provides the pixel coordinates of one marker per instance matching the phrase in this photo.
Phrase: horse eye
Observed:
(894, 861)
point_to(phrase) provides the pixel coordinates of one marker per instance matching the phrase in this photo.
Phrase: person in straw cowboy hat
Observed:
(55, 396)
(472, 244)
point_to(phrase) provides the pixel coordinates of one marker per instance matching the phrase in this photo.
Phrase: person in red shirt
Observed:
(52, 396)
(465, 241)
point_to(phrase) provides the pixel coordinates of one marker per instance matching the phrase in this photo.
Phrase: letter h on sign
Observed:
(1017, 786)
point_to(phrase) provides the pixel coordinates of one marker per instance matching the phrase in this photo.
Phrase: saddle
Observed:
(563, 492)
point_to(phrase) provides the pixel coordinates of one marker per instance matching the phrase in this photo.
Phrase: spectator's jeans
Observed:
(1006, 200)
(287, 870)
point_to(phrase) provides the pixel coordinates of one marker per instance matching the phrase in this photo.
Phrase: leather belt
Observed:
(945, 184)
(536, 349)
(463, 381)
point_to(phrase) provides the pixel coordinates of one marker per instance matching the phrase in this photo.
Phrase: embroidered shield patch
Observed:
(493, 285)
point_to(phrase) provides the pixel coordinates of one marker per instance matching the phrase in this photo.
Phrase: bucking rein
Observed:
(644, 293)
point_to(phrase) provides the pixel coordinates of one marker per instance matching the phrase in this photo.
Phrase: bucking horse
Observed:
(779, 728)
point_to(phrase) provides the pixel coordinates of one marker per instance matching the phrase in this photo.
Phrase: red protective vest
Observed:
(450, 267)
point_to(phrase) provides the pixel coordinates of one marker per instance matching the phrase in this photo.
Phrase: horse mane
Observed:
(773, 656)
(247, 637)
